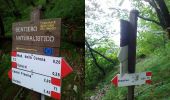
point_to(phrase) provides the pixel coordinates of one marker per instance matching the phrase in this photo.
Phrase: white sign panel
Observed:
(132, 79)
(36, 82)
(46, 65)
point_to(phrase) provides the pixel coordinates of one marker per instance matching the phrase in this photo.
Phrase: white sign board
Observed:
(36, 82)
(46, 65)
(40, 73)
(132, 79)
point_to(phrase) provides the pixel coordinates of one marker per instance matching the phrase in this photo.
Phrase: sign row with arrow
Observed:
(40, 73)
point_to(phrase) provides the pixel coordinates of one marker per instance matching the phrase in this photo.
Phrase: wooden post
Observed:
(132, 49)
(35, 17)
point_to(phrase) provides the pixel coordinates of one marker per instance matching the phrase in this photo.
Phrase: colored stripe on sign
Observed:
(14, 65)
(14, 53)
(148, 73)
(10, 74)
(55, 81)
(55, 95)
(148, 81)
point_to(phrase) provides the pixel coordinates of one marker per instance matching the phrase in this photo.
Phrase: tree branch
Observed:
(94, 59)
(147, 19)
(108, 59)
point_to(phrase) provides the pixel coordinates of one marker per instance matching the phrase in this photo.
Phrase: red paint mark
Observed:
(55, 95)
(14, 65)
(115, 81)
(55, 81)
(10, 74)
(14, 53)
(65, 68)
(148, 81)
(148, 73)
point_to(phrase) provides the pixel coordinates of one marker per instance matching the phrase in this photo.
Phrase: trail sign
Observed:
(35, 46)
(132, 79)
(37, 34)
(40, 70)
(44, 33)
(46, 85)
(55, 67)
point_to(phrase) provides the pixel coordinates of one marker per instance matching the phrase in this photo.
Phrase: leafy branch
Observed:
(147, 19)
(92, 51)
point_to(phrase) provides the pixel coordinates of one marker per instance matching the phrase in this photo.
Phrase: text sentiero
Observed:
(49, 25)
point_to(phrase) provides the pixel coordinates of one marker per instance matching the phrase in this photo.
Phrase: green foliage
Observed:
(115, 94)
(152, 43)
(92, 73)
(158, 63)
(148, 42)
(72, 10)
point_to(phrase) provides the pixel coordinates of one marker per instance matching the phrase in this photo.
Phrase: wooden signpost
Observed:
(37, 36)
(127, 58)
(35, 48)
(40, 73)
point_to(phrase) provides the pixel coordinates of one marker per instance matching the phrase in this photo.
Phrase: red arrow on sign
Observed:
(115, 81)
(132, 79)
(65, 69)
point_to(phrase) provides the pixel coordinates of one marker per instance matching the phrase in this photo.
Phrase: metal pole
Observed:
(132, 49)
(42, 97)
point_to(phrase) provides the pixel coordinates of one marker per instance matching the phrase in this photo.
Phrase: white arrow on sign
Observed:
(39, 83)
(51, 66)
(132, 79)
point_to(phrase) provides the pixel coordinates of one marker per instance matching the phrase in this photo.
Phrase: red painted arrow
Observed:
(65, 68)
(115, 80)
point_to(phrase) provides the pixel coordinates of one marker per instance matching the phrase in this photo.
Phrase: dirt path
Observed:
(99, 93)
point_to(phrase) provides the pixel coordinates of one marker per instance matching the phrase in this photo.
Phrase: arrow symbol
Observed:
(115, 81)
(65, 69)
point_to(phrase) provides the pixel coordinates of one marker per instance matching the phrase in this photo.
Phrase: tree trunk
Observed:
(165, 14)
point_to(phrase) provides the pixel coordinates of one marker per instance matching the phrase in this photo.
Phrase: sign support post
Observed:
(42, 97)
(34, 56)
(132, 49)
(35, 17)
(127, 58)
